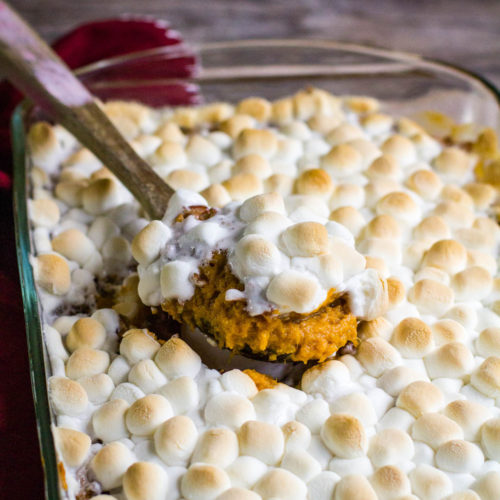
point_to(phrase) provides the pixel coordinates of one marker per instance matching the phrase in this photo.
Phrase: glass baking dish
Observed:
(406, 84)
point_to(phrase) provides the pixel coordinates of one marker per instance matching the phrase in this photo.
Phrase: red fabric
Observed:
(20, 466)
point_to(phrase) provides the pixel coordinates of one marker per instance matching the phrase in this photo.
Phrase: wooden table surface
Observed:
(464, 32)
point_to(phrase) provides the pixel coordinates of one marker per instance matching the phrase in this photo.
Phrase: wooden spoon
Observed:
(31, 65)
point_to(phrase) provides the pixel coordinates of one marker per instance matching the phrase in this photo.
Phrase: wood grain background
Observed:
(464, 32)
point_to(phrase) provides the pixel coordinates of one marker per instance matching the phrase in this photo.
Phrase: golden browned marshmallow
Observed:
(432, 229)
(432, 273)
(450, 360)
(401, 148)
(301, 463)
(138, 114)
(261, 440)
(420, 397)
(383, 226)
(71, 192)
(463, 495)
(296, 435)
(145, 481)
(52, 273)
(349, 217)
(400, 205)
(43, 212)
(453, 193)
(430, 483)
(305, 239)
(137, 344)
(74, 245)
(68, 397)
(170, 132)
(216, 446)
(263, 142)
(449, 255)
(458, 455)
(408, 127)
(257, 205)
(169, 154)
(486, 378)
(378, 327)
(487, 224)
(390, 482)
(384, 167)
(86, 332)
(473, 283)
(175, 440)
(203, 482)
(234, 125)
(435, 429)
(481, 193)
(378, 188)
(377, 356)
(390, 446)
(252, 164)
(431, 297)
(85, 362)
(342, 161)
(488, 486)
(108, 421)
(73, 445)
(343, 133)
(448, 330)
(453, 162)
(455, 214)
(102, 173)
(98, 387)
(490, 438)
(377, 123)
(396, 291)
(372, 262)
(368, 150)
(216, 195)
(354, 486)
(43, 144)
(347, 195)
(315, 182)
(101, 195)
(413, 338)
(362, 104)
(280, 483)
(184, 178)
(110, 463)
(256, 107)
(344, 436)
(243, 186)
(425, 183)
(175, 358)
(282, 110)
(148, 242)
(147, 413)
(469, 415)
(488, 342)
(475, 239)
(216, 112)
(323, 124)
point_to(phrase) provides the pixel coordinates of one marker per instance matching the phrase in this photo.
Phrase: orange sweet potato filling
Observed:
(262, 381)
(296, 337)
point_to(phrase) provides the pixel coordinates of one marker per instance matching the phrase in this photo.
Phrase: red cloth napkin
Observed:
(20, 466)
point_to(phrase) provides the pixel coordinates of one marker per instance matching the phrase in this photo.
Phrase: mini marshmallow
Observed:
(390, 446)
(425, 183)
(280, 484)
(110, 464)
(323, 124)
(342, 161)
(170, 131)
(488, 342)
(43, 212)
(216, 195)
(52, 273)
(430, 483)
(258, 108)
(378, 327)
(98, 387)
(470, 415)
(108, 421)
(432, 229)
(204, 482)
(149, 241)
(236, 124)
(229, 409)
(315, 182)
(401, 148)
(420, 397)
(453, 163)
(137, 344)
(245, 471)
(459, 456)
(435, 429)
(343, 133)
(455, 214)
(488, 486)
(301, 463)
(450, 360)
(393, 381)
(145, 481)
(344, 436)
(354, 486)
(474, 283)
(201, 150)
(349, 217)
(322, 486)
(448, 330)
(482, 194)
(377, 356)
(305, 239)
(243, 186)
(297, 436)
(256, 256)
(358, 405)
(390, 482)
(73, 445)
(347, 195)
(216, 446)
(182, 394)
(313, 414)
(261, 440)
(187, 179)
(431, 297)
(263, 142)
(325, 379)
(147, 413)
(413, 338)
(463, 495)
(175, 358)
(147, 376)
(238, 494)
(102, 195)
(490, 438)
(486, 378)
(253, 164)
(401, 206)
(86, 332)
(240, 382)
(85, 362)
(175, 440)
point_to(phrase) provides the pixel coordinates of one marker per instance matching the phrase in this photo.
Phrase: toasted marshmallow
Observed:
(170, 155)
(377, 188)
(238, 494)
(170, 131)
(343, 133)
(435, 429)
(305, 239)
(430, 483)
(490, 438)
(432, 229)
(204, 482)
(486, 378)
(43, 212)
(390, 482)
(182, 394)
(396, 291)
(469, 415)
(67, 396)
(342, 161)
(149, 241)
(229, 409)
(315, 182)
(147, 413)
(147, 376)
(354, 486)
(145, 481)
(390, 447)
(253, 207)
(358, 405)
(301, 463)
(482, 194)
(425, 183)
(52, 273)
(323, 123)
(463, 495)
(413, 338)
(261, 440)
(455, 214)
(86, 332)
(344, 436)
(187, 179)
(237, 123)
(109, 421)
(202, 151)
(401, 206)
(73, 445)
(98, 387)
(378, 327)
(473, 283)
(258, 108)
(488, 342)
(347, 195)
(245, 471)
(175, 358)
(431, 297)
(102, 195)
(243, 186)
(254, 164)
(384, 167)
(252, 141)
(175, 440)
(382, 226)
(459, 456)
(377, 356)
(453, 163)
(216, 446)
(85, 362)
(240, 382)
(450, 360)
(313, 414)
(280, 484)
(420, 397)
(488, 486)
(393, 381)
(349, 217)
(137, 344)
(325, 378)
(216, 195)
(110, 464)
(401, 148)
(297, 436)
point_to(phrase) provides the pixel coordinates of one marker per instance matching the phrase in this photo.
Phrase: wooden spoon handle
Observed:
(31, 65)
